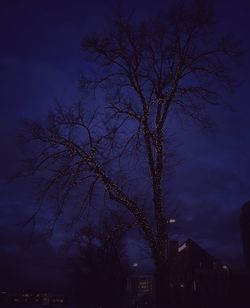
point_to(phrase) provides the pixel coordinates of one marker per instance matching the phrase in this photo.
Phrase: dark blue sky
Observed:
(40, 60)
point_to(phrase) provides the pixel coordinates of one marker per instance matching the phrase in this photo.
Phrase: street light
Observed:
(171, 221)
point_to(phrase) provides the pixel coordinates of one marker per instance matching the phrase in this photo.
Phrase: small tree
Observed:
(101, 268)
(148, 71)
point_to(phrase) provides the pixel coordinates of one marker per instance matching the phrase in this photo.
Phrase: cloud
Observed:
(30, 266)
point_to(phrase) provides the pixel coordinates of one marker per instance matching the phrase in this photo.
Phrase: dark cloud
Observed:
(28, 260)
(32, 267)
(207, 209)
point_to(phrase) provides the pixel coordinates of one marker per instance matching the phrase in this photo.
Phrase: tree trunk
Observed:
(162, 288)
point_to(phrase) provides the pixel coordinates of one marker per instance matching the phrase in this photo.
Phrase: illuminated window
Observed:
(195, 288)
(183, 246)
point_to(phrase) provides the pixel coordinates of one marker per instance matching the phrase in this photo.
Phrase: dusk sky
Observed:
(40, 61)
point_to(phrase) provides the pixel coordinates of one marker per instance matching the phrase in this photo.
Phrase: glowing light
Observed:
(195, 287)
(172, 220)
(182, 247)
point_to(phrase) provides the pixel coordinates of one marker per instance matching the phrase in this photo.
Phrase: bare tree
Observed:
(145, 73)
(101, 268)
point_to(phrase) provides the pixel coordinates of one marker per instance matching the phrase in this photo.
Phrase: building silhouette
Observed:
(245, 232)
(195, 278)
(196, 271)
